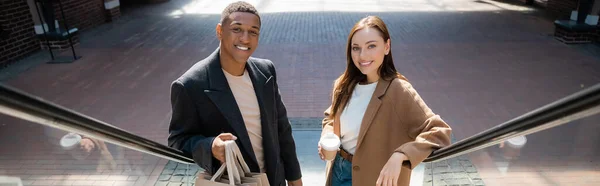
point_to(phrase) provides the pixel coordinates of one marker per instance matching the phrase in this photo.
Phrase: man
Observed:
(232, 96)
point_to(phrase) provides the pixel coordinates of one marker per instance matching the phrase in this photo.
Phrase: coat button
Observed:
(356, 168)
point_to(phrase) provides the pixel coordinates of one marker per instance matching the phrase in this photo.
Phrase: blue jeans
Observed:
(341, 173)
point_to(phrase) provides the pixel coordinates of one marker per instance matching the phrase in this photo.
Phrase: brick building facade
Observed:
(561, 9)
(19, 24)
(18, 36)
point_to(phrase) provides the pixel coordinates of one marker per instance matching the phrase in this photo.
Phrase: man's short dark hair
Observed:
(239, 6)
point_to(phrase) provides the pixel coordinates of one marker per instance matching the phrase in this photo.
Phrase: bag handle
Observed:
(229, 165)
(240, 158)
(232, 167)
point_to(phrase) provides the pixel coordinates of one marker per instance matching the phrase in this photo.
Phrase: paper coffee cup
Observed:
(513, 147)
(70, 141)
(330, 143)
(517, 142)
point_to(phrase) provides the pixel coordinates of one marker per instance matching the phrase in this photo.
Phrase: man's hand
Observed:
(391, 170)
(218, 145)
(295, 183)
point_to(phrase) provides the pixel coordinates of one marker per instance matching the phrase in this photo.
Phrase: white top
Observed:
(353, 114)
(243, 92)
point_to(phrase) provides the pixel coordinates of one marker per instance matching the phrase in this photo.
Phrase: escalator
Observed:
(557, 144)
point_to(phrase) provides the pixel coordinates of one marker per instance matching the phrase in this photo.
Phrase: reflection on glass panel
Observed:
(178, 173)
(428, 174)
(34, 154)
(564, 155)
(454, 171)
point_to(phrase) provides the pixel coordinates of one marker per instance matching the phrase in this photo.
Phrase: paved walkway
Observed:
(476, 63)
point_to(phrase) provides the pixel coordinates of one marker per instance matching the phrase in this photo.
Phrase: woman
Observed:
(385, 127)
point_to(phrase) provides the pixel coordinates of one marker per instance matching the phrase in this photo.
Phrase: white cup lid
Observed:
(70, 141)
(330, 141)
(517, 142)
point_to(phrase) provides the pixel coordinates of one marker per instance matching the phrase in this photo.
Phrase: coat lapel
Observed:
(372, 109)
(260, 82)
(223, 98)
(264, 86)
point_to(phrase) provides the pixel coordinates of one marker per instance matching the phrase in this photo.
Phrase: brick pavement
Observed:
(475, 63)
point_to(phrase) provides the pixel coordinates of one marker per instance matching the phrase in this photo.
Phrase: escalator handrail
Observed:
(575, 106)
(19, 104)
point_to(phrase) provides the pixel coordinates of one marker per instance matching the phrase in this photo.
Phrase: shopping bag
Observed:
(234, 171)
